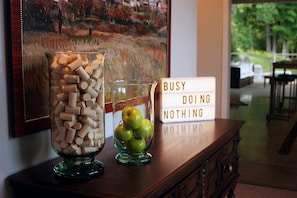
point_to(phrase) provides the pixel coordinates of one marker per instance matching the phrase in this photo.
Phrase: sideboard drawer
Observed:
(191, 185)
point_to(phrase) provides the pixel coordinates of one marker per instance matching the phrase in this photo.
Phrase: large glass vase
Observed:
(77, 110)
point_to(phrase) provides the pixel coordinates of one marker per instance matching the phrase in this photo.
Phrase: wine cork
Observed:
(86, 150)
(101, 142)
(69, 124)
(84, 58)
(75, 64)
(86, 143)
(70, 149)
(64, 144)
(100, 100)
(78, 140)
(82, 73)
(78, 151)
(89, 121)
(59, 123)
(97, 73)
(60, 107)
(88, 111)
(97, 108)
(55, 66)
(62, 60)
(55, 89)
(98, 85)
(72, 99)
(97, 117)
(71, 57)
(91, 102)
(62, 129)
(62, 82)
(55, 76)
(89, 69)
(54, 102)
(100, 57)
(98, 135)
(95, 130)
(70, 78)
(77, 125)
(72, 110)
(83, 131)
(61, 136)
(62, 96)
(70, 135)
(67, 116)
(95, 65)
(69, 88)
(81, 104)
(68, 52)
(90, 135)
(83, 85)
(101, 125)
(86, 97)
(66, 70)
(92, 82)
(92, 92)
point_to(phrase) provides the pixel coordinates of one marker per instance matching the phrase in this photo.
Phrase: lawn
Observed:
(264, 59)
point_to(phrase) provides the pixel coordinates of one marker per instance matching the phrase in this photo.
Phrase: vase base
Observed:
(125, 158)
(83, 170)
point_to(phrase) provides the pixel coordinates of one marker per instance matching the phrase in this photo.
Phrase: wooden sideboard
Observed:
(192, 159)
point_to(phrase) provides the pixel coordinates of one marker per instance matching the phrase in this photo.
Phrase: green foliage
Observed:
(251, 22)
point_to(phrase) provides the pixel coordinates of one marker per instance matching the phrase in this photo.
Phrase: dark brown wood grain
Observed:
(18, 125)
(178, 151)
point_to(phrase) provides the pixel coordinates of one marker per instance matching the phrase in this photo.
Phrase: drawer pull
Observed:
(228, 168)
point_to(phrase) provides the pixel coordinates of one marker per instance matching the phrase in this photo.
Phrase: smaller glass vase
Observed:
(133, 120)
(77, 110)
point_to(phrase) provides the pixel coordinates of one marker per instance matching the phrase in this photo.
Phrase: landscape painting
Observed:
(134, 35)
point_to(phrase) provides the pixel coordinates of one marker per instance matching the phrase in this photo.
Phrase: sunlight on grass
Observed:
(263, 59)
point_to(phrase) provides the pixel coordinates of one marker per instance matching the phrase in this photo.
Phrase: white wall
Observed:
(19, 153)
(213, 48)
(183, 38)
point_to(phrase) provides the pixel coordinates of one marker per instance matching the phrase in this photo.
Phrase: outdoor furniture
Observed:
(241, 75)
(242, 71)
(282, 92)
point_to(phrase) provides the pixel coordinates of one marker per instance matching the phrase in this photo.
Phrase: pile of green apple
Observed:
(135, 132)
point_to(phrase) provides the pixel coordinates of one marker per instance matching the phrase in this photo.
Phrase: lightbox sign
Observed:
(187, 99)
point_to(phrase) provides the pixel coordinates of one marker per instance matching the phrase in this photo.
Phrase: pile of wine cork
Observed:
(77, 101)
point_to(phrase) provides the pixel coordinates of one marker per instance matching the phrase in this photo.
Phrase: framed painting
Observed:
(134, 35)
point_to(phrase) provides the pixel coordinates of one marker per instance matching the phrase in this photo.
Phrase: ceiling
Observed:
(262, 1)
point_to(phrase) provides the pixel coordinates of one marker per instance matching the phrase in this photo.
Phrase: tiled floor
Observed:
(260, 160)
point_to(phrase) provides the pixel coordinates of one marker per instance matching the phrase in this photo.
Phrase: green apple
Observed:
(132, 117)
(136, 146)
(145, 130)
(122, 133)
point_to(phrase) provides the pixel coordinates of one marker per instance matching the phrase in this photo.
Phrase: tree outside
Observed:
(265, 29)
